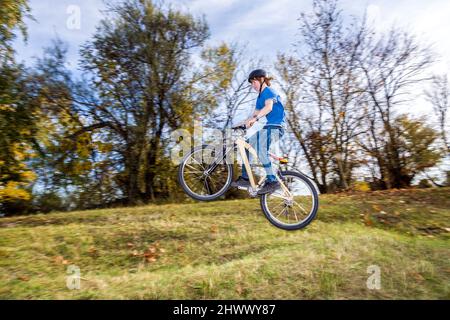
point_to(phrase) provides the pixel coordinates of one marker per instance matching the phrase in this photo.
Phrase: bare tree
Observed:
(438, 96)
(329, 90)
(392, 66)
(303, 125)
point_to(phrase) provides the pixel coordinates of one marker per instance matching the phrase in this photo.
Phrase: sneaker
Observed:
(241, 182)
(269, 187)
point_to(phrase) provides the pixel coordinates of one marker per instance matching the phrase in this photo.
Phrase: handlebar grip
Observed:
(243, 127)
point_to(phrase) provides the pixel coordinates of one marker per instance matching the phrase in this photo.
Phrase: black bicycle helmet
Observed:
(257, 74)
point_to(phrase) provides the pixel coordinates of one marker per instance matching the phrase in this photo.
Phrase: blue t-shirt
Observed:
(276, 116)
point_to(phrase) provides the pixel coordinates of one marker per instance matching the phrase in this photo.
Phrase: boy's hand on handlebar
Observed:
(250, 122)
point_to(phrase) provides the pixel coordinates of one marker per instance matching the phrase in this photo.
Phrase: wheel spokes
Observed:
(200, 184)
(291, 210)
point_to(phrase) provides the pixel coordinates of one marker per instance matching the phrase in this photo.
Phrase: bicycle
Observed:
(206, 179)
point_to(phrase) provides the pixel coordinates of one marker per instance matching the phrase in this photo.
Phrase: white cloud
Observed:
(206, 6)
(267, 26)
(269, 14)
(373, 14)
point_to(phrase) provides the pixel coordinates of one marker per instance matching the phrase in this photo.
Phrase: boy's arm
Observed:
(268, 106)
(258, 114)
(255, 114)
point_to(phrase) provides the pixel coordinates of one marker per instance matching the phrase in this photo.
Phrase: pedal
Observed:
(243, 188)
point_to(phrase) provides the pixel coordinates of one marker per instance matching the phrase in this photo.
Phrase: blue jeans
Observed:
(261, 141)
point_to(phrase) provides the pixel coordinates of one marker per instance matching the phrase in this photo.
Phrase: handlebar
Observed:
(241, 127)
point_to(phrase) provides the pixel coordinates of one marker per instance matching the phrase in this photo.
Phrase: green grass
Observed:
(228, 250)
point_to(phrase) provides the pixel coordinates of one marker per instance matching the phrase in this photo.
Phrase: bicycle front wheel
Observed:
(203, 175)
(292, 212)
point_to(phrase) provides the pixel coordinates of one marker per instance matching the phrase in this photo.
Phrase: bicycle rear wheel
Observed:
(195, 179)
(296, 212)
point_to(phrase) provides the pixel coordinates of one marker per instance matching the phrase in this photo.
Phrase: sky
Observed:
(265, 26)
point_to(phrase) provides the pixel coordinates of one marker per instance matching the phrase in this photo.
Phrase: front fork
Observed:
(217, 161)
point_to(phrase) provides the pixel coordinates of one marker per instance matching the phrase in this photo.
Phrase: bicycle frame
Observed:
(242, 145)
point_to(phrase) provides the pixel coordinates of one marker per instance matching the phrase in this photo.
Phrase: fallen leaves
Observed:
(417, 276)
(23, 278)
(214, 229)
(61, 260)
(367, 220)
(376, 208)
(151, 254)
(93, 252)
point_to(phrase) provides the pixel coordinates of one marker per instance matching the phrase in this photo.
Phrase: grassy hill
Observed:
(227, 249)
